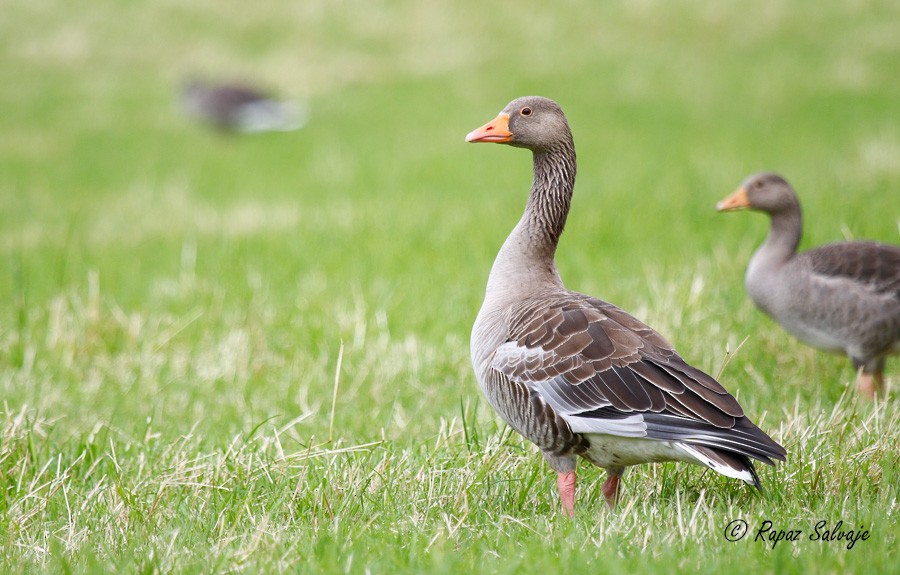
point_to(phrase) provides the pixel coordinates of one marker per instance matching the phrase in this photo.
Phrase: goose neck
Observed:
(550, 197)
(784, 234)
(526, 260)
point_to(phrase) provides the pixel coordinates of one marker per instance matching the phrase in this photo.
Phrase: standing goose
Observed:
(576, 375)
(843, 297)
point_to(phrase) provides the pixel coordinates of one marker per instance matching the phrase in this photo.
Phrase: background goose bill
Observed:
(736, 201)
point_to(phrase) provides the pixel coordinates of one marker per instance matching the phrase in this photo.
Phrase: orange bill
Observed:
(736, 201)
(497, 131)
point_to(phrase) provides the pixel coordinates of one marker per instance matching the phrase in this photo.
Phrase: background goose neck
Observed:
(785, 232)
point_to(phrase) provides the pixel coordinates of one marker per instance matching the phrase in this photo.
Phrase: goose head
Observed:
(530, 122)
(766, 192)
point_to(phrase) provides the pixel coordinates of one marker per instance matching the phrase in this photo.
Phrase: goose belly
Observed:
(612, 451)
(817, 338)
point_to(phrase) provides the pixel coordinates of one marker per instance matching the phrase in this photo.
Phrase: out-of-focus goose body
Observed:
(235, 107)
(578, 376)
(842, 297)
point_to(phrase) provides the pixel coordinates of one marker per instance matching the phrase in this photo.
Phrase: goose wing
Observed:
(875, 265)
(603, 371)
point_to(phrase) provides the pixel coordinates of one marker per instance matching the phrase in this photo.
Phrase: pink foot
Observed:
(566, 484)
(611, 490)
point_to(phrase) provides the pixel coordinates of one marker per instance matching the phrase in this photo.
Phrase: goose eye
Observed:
(525, 111)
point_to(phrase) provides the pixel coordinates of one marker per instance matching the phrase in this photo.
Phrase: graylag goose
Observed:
(236, 107)
(578, 376)
(842, 297)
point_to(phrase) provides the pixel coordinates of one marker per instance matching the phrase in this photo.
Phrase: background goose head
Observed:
(766, 192)
(529, 122)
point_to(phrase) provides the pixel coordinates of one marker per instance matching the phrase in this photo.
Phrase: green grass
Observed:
(175, 302)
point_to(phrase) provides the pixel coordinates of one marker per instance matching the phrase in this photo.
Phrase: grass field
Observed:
(250, 354)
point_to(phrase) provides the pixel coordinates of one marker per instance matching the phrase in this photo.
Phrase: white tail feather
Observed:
(718, 467)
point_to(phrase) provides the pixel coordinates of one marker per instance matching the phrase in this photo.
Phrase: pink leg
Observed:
(611, 490)
(566, 484)
(870, 384)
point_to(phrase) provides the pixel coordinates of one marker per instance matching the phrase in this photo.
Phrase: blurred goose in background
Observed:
(578, 376)
(234, 107)
(842, 297)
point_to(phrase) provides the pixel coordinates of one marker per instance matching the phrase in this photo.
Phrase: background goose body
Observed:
(235, 107)
(842, 297)
(578, 376)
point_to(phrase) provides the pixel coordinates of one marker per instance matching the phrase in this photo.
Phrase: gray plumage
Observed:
(578, 376)
(842, 297)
